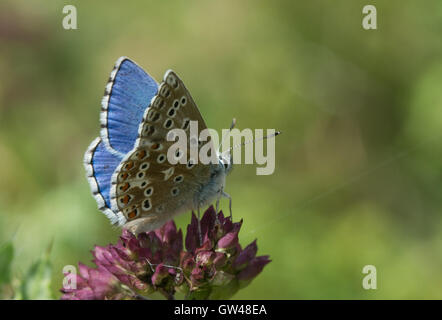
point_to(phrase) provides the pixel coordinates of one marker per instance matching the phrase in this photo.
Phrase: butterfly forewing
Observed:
(146, 183)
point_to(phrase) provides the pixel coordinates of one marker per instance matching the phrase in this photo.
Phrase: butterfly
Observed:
(134, 184)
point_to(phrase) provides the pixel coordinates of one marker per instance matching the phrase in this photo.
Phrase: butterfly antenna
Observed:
(253, 141)
(226, 135)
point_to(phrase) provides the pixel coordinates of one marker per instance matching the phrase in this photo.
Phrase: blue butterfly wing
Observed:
(127, 95)
(100, 164)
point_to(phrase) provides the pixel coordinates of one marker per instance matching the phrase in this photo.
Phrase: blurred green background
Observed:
(358, 176)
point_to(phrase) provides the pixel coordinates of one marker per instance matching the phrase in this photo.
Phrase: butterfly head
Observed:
(226, 161)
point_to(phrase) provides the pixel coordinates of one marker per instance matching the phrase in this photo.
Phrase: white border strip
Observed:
(114, 217)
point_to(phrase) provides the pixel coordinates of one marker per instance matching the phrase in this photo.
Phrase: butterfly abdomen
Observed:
(209, 191)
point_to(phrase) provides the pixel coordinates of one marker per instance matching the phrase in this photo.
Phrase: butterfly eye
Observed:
(176, 104)
(183, 101)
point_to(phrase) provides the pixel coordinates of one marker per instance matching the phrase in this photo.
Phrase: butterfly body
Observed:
(127, 166)
(212, 188)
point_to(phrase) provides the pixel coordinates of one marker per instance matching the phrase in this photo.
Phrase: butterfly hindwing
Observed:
(146, 183)
(127, 95)
(100, 165)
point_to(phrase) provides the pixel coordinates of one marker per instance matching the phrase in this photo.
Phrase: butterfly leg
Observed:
(217, 207)
(225, 195)
(199, 227)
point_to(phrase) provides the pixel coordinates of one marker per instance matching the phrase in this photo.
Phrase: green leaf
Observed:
(37, 282)
(6, 257)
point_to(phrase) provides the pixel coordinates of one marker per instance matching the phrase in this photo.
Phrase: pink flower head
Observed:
(155, 261)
